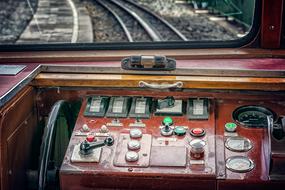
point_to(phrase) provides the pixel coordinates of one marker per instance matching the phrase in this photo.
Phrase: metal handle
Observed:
(161, 86)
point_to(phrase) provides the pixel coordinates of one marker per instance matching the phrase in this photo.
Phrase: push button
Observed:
(134, 145)
(230, 127)
(135, 133)
(132, 156)
(167, 121)
(85, 128)
(179, 131)
(90, 138)
(197, 132)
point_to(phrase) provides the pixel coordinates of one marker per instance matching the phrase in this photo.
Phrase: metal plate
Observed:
(238, 144)
(240, 164)
(122, 149)
(11, 69)
(174, 156)
(93, 157)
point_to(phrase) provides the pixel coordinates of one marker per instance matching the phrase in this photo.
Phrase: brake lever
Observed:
(87, 147)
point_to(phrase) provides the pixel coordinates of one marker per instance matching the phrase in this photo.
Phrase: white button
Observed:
(135, 133)
(85, 128)
(132, 156)
(134, 145)
(104, 129)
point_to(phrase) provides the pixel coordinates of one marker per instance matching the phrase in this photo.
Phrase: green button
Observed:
(167, 121)
(230, 127)
(180, 131)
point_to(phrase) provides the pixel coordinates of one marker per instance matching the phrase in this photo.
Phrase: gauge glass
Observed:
(239, 164)
(118, 105)
(238, 144)
(140, 106)
(253, 116)
(95, 105)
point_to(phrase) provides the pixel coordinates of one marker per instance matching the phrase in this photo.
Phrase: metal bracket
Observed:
(148, 63)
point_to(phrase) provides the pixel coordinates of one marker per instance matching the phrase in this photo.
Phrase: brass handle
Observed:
(160, 86)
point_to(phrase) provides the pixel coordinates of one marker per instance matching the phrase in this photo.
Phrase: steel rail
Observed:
(170, 26)
(153, 35)
(118, 18)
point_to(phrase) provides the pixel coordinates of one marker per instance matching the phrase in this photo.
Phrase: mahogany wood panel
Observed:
(102, 80)
(115, 55)
(271, 26)
(17, 125)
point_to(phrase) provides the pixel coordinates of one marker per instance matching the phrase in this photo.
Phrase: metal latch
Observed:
(149, 63)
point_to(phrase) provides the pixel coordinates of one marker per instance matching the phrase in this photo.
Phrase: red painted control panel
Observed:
(182, 142)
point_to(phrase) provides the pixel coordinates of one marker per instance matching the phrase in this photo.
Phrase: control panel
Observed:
(136, 139)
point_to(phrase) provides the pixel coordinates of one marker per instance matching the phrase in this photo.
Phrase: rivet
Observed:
(271, 27)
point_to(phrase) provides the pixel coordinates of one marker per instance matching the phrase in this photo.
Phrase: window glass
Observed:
(129, 21)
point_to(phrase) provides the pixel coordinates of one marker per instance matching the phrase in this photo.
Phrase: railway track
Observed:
(139, 23)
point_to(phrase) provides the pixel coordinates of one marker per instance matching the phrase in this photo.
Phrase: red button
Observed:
(90, 138)
(197, 132)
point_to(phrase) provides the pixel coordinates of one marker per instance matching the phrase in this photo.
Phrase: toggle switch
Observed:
(167, 130)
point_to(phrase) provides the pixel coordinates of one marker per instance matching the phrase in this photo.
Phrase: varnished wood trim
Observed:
(115, 55)
(195, 82)
(271, 23)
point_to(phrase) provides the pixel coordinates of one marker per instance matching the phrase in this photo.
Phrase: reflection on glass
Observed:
(89, 21)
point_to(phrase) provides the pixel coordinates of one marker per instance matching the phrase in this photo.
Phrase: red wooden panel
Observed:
(271, 23)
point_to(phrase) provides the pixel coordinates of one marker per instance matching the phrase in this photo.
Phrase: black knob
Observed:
(109, 141)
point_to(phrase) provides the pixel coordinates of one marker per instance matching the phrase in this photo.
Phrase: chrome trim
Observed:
(160, 86)
(250, 167)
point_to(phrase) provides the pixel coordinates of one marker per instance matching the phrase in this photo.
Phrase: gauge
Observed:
(253, 116)
(238, 144)
(239, 164)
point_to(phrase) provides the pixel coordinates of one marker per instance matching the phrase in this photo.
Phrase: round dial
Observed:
(239, 164)
(253, 116)
(238, 144)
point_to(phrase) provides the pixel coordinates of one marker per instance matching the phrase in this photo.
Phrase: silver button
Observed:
(134, 145)
(85, 128)
(104, 129)
(135, 133)
(132, 156)
(197, 145)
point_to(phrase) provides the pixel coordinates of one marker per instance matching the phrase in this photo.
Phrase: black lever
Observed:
(167, 102)
(148, 63)
(87, 147)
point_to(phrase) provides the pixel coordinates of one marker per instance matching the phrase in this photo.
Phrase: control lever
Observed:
(87, 147)
(168, 102)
